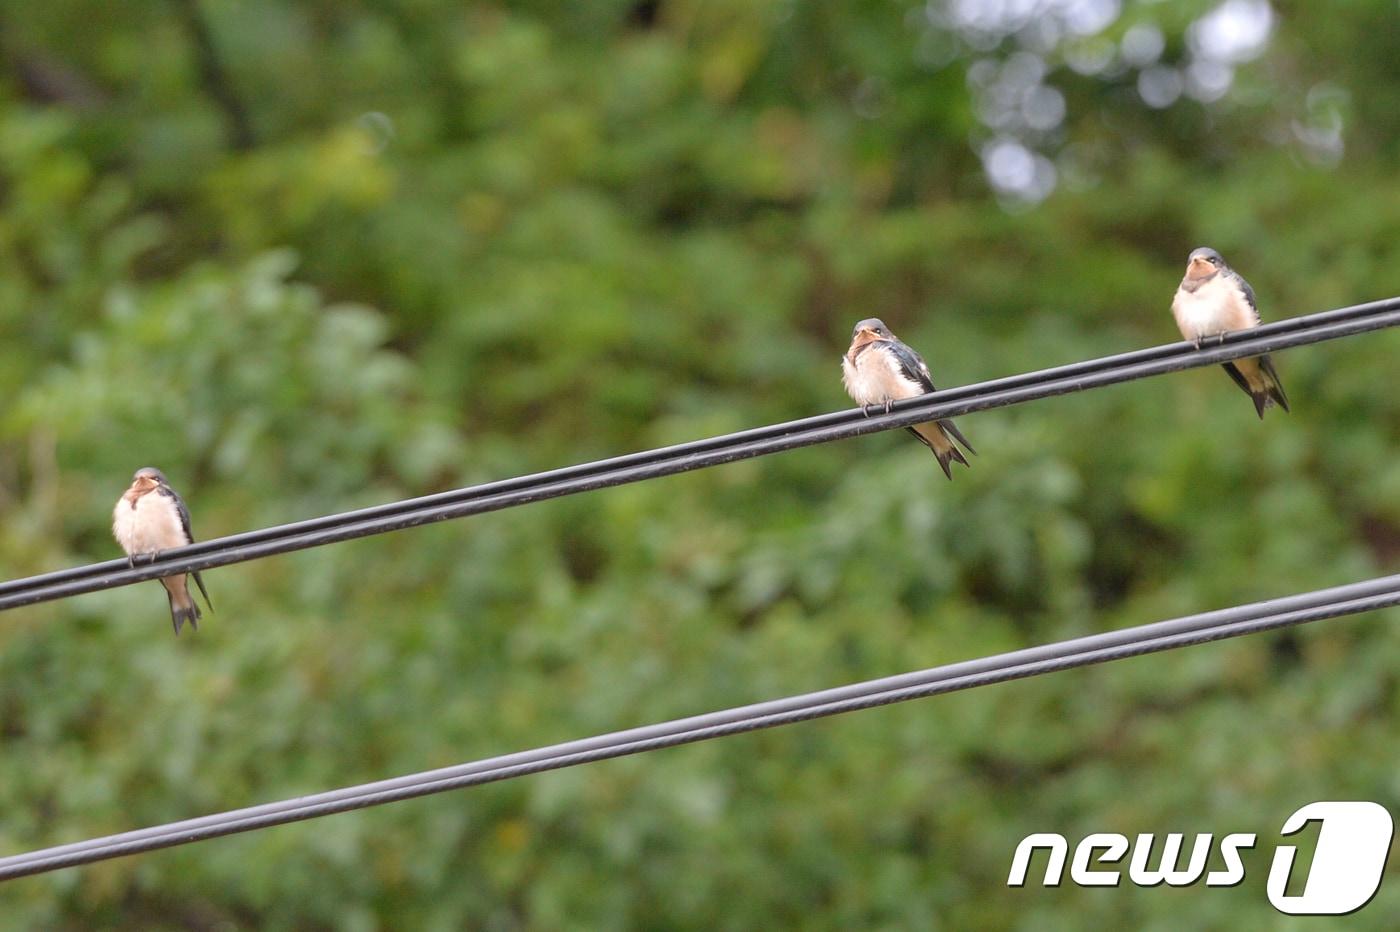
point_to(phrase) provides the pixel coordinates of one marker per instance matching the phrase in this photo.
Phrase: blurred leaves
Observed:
(479, 240)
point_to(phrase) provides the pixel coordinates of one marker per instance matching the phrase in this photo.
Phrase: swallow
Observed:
(151, 517)
(879, 370)
(1213, 300)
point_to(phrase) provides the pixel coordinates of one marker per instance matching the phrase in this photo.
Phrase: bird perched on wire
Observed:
(879, 370)
(151, 517)
(1213, 300)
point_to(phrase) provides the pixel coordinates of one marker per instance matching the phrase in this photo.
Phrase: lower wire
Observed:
(1354, 598)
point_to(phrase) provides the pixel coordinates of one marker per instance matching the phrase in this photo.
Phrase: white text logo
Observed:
(1352, 846)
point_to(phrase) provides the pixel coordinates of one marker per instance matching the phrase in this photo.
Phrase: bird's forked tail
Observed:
(938, 436)
(183, 608)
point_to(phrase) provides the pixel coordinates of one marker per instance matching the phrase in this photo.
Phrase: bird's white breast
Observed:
(154, 524)
(875, 378)
(1215, 307)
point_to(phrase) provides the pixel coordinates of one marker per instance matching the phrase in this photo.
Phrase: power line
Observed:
(1077, 652)
(649, 464)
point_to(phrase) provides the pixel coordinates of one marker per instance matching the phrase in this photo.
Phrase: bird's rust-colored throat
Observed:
(861, 340)
(138, 488)
(1199, 270)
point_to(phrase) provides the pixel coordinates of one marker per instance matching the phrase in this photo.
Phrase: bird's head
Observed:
(1203, 263)
(147, 479)
(868, 331)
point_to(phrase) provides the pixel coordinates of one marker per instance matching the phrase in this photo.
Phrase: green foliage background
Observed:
(470, 241)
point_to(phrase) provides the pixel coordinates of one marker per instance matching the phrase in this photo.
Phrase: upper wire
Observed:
(648, 464)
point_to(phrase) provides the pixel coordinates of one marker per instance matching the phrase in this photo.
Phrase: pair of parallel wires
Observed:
(650, 464)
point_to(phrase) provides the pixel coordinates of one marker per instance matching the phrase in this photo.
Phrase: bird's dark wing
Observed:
(957, 435)
(180, 508)
(1248, 294)
(912, 365)
(1275, 389)
(184, 513)
(199, 581)
(1238, 376)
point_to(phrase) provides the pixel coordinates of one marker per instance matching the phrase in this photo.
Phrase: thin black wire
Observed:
(492, 496)
(1298, 609)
